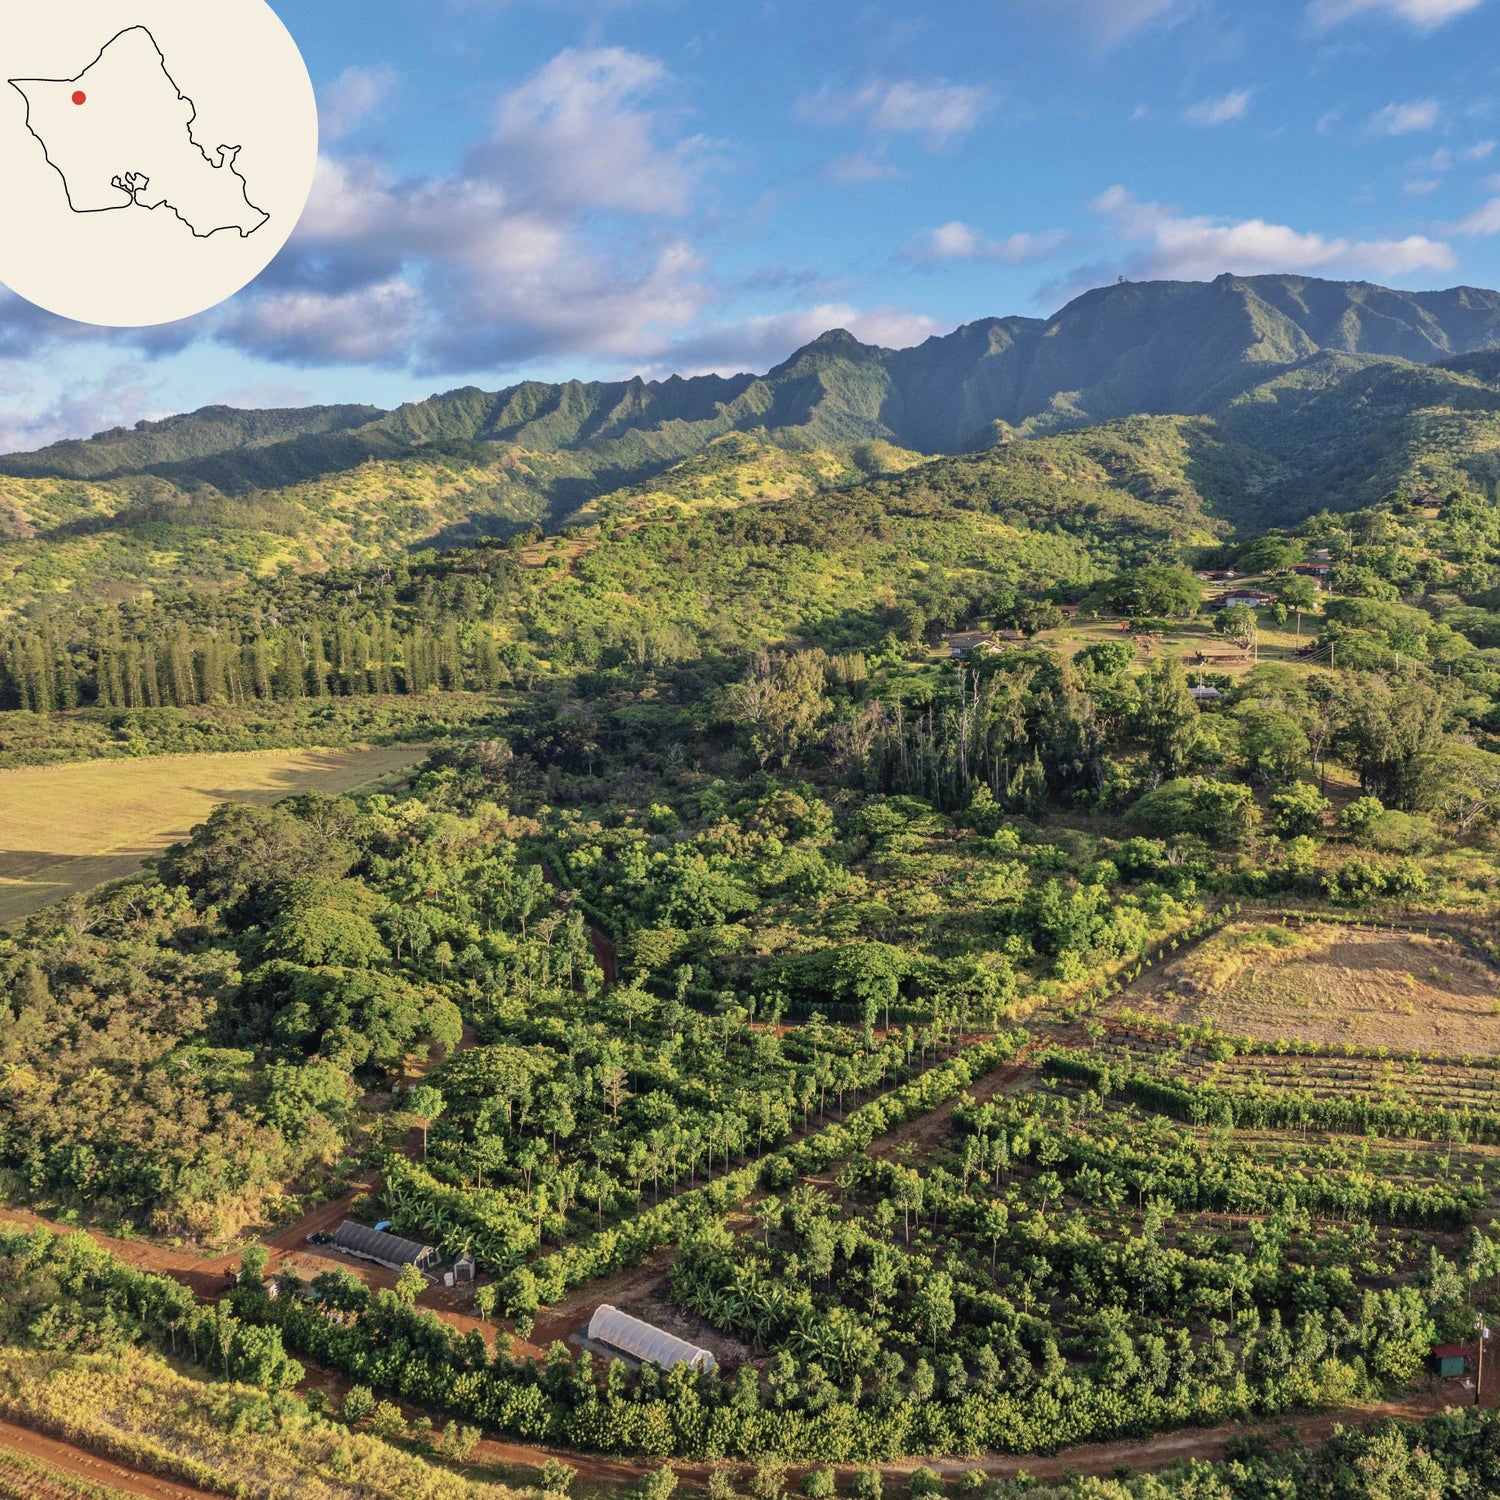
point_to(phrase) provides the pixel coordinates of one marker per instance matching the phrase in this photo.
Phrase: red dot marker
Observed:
(80, 97)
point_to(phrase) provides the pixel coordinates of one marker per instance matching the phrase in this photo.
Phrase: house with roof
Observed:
(1253, 598)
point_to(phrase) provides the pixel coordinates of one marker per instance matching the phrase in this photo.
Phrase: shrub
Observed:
(869, 1484)
(457, 1444)
(1298, 810)
(388, 1422)
(1357, 818)
(358, 1404)
(769, 1480)
(721, 1482)
(820, 1484)
(659, 1484)
(557, 1477)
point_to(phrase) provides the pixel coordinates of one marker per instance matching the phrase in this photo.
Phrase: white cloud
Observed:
(1232, 106)
(1425, 15)
(957, 241)
(1179, 247)
(759, 343)
(504, 260)
(115, 398)
(1485, 220)
(939, 111)
(862, 166)
(1406, 119)
(577, 134)
(352, 98)
(1420, 187)
(1479, 151)
(1104, 24)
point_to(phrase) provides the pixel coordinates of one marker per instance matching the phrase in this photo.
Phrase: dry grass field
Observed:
(1333, 984)
(66, 829)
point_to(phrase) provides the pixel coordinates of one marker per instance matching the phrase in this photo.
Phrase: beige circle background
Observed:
(130, 267)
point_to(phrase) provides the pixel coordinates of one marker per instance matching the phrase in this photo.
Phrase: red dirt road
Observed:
(105, 1471)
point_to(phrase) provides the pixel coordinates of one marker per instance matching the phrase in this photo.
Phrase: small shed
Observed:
(1452, 1360)
(1206, 694)
(384, 1249)
(644, 1342)
(463, 1267)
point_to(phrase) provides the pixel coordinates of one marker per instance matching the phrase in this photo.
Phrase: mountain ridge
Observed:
(1212, 403)
(1134, 348)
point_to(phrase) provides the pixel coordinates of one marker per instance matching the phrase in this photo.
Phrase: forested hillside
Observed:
(1287, 396)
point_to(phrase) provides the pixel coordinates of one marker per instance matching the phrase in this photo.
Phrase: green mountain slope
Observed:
(1240, 402)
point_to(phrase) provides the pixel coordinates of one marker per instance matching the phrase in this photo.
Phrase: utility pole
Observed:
(1484, 1333)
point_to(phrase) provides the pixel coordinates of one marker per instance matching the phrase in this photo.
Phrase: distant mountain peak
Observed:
(1132, 348)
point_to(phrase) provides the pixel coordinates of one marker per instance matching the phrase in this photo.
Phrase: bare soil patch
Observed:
(1405, 990)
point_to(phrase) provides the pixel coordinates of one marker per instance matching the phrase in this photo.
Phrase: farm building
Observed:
(1452, 1360)
(1255, 598)
(1206, 694)
(645, 1343)
(384, 1249)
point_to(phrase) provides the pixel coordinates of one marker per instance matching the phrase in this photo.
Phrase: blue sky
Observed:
(517, 188)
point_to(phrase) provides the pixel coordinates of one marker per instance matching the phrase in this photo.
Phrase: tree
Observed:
(1157, 591)
(410, 1284)
(1299, 594)
(933, 1307)
(1392, 731)
(1273, 744)
(1467, 786)
(253, 1263)
(1167, 717)
(1241, 625)
(1223, 812)
(1299, 809)
(424, 1106)
(782, 703)
(1033, 616)
(1270, 554)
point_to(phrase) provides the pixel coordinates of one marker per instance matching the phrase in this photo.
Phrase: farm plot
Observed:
(1402, 991)
(1058, 1269)
(1146, 1231)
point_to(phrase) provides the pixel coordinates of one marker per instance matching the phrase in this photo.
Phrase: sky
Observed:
(516, 189)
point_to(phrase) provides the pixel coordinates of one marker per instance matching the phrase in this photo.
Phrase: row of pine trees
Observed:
(176, 667)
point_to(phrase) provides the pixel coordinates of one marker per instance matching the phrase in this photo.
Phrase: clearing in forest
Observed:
(1330, 984)
(65, 829)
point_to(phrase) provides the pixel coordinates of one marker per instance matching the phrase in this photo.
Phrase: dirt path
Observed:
(927, 1130)
(85, 1465)
(569, 1315)
(1142, 1455)
(604, 946)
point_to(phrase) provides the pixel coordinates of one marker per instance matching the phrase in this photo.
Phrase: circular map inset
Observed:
(154, 156)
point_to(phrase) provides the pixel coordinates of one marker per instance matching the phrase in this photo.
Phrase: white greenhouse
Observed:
(627, 1335)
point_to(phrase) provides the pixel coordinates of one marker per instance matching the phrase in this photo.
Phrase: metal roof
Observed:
(385, 1249)
(644, 1342)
